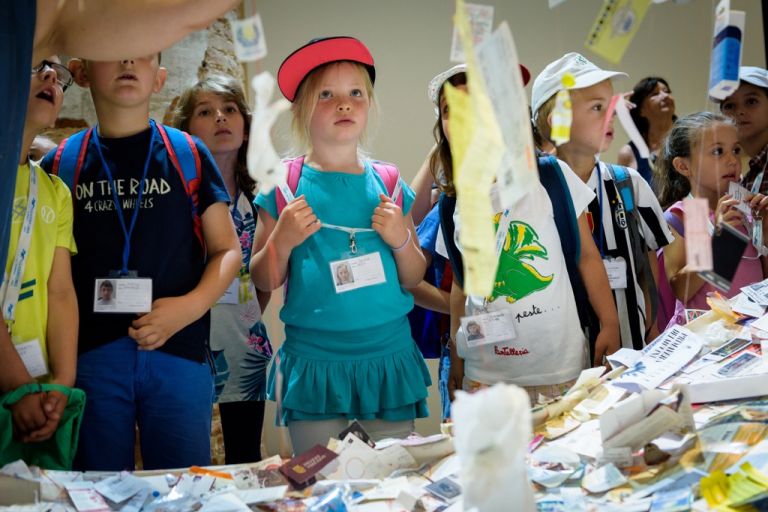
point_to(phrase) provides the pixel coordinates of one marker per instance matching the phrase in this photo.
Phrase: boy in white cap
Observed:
(627, 242)
(748, 107)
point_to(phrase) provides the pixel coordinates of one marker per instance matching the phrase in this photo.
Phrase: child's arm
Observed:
(685, 284)
(275, 239)
(171, 314)
(456, 375)
(398, 231)
(431, 297)
(263, 299)
(422, 186)
(28, 414)
(595, 280)
(133, 27)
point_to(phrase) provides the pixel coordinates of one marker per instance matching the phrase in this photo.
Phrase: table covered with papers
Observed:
(681, 425)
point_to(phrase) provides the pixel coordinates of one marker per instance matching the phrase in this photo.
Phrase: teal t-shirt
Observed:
(347, 200)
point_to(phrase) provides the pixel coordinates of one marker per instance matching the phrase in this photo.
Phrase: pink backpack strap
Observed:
(295, 165)
(391, 178)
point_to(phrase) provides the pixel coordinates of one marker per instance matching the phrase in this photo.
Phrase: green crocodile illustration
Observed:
(517, 278)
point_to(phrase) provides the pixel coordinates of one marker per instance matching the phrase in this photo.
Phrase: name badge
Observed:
(122, 295)
(31, 354)
(232, 294)
(616, 268)
(488, 328)
(359, 272)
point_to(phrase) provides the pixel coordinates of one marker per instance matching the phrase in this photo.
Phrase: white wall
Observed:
(410, 41)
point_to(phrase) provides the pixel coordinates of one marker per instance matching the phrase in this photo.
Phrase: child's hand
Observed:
(28, 414)
(168, 316)
(296, 223)
(54, 404)
(727, 212)
(389, 223)
(758, 203)
(607, 342)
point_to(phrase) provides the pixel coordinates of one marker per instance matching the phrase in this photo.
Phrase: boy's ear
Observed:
(160, 77)
(79, 72)
(682, 165)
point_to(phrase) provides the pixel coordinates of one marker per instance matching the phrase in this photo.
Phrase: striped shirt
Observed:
(613, 242)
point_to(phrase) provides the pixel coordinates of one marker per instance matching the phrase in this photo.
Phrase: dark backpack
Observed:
(551, 177)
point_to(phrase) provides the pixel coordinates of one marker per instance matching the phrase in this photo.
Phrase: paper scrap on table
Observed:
(758, 292)
(663, 358)
(477, 149)
(603, 479)
(248, 36)
(480, 23)
(614, 28)
(264, 164)
(120, 487)
(624, 357)
(499, 66)
(698, 239)
(601, 399)
(642, 418)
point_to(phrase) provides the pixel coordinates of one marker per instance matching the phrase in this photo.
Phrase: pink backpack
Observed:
(387, 172)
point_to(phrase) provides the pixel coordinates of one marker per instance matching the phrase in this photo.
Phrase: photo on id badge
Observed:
(357, 272)
(122, 295)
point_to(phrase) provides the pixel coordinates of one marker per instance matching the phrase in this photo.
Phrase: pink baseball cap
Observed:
(316, 53)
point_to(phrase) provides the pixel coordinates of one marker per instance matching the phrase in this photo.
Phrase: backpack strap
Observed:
(295, 165)
(566, 220)
(391, 178)
(69, 157)
(185, 158)
(446, 207)
(623, 183)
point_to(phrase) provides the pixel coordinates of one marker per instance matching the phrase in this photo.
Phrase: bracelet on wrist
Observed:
(405, 244)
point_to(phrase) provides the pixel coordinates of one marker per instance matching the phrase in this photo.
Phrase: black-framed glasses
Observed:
(63, 75)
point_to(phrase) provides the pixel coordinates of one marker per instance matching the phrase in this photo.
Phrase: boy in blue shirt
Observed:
(132, 219)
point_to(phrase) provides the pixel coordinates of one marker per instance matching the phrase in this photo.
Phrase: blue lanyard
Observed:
(601, 237)
(127, 231)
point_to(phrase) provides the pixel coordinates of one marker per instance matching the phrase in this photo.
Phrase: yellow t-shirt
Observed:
(52, 228)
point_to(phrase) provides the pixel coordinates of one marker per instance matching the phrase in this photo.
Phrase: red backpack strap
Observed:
(183, 153)
(295, 165)
(70, 156)
(391, 178)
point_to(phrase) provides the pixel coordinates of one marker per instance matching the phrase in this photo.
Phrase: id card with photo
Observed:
(122, 295)
(488, 328)
(358, 272)
(616, 268)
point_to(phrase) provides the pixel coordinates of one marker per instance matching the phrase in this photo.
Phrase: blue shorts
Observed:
(169, 397)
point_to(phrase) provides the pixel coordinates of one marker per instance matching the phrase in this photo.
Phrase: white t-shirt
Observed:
(549, 346)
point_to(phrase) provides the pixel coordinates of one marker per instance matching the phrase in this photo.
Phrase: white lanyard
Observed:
(758, 181)
(12, 284)
(285, 190)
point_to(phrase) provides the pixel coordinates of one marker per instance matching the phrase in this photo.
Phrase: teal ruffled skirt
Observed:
(376, 373)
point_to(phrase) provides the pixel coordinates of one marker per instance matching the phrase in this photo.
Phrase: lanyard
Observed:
(9, 293)
(127, 231)
(352, 232)
(601, 237)
(501, 231)
(758, 181)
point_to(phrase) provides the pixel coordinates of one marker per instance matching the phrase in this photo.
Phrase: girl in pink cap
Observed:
(348, 352)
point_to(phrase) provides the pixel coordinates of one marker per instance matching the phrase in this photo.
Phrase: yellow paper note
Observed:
(615, 27)
(477, 148)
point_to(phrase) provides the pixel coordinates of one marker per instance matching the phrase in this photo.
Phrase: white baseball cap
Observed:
(550, 81)
(753, 75)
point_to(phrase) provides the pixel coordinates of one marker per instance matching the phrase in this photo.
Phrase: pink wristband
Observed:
(407, 240)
